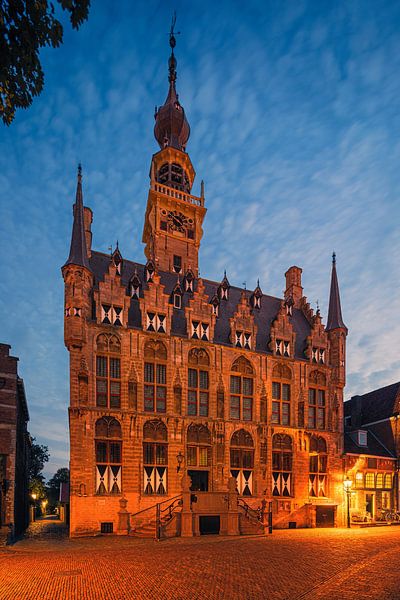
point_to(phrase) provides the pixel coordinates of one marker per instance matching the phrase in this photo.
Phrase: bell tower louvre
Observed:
(181, 385)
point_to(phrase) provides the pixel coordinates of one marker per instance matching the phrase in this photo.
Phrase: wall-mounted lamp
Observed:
(179, 460)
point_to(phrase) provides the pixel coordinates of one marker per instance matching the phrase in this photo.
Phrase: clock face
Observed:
(177, 221)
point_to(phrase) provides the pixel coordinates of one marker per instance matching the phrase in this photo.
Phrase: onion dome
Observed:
(171, 128)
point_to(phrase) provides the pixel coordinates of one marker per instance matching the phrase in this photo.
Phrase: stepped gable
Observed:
(263, 316)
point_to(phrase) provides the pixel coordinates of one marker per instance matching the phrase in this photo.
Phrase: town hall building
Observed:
(180, 384)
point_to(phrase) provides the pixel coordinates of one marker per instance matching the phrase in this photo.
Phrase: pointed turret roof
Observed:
(171, 128)
(78, 250)
(335, 320)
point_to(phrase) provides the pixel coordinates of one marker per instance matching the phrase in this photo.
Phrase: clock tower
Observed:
(173, 222)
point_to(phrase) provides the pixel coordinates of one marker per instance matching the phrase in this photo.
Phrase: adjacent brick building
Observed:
(372, 444)
(174, 374)
(14, 448)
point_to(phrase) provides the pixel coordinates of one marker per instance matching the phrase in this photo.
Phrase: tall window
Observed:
(108, 456)
(155, 377)
(198, 456)
(242, 461)
(281, 395)
(198, 382)
(108, 371)
(317, 401)
(318, 467)
(282, 458)
(155, 457)
(241, 390)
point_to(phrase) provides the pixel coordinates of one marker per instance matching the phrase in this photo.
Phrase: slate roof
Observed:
(335, 319)
(376, 405)
(374, 446)
(263, 317)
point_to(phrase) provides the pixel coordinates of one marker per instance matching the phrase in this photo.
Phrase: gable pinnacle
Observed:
(335, 319)
(78, 250)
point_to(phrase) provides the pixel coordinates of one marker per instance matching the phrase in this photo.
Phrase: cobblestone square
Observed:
(288, 565)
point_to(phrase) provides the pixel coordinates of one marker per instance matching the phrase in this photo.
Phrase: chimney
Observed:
(294, 289)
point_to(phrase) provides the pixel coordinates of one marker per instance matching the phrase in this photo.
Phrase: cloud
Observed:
(294, 114)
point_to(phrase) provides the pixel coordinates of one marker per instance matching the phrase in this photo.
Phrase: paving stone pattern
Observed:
(289, 565)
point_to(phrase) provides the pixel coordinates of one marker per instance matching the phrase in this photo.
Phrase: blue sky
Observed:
(294, 111)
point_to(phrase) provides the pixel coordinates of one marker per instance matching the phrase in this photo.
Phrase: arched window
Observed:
(108, 371)
(241, 390)
(108, 445)
(282, 458)
(155, 457)
(198, 456)
(317, 400)
(198, 382)
(318, 467)
(242, 461)
(281, 395)
(155, 377)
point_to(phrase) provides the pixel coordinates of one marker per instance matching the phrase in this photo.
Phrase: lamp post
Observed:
(347, 483)
(34, 496)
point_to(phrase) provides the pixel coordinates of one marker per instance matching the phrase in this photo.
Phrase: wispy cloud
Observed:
(294, 113)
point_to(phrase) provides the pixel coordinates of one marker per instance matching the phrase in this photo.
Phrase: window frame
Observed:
(159, 372)
(109, 381)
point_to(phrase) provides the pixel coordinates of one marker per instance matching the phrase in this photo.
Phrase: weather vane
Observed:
(172, 33)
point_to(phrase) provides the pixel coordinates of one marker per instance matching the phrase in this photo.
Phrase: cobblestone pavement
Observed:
(289, 565)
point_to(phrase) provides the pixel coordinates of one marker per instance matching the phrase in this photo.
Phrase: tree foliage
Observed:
(39, 456)
(25, 27)
(36, 486)
(61, 476)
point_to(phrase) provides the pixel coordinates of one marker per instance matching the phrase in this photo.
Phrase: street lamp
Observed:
(347, 483)
(33, 496)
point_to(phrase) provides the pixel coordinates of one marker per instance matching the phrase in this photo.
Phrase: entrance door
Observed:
(325, 516)
(369, 504)
(209, 525)
(199, 481)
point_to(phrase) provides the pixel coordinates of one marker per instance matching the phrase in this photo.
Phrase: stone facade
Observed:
(14, 448)
(174, 375)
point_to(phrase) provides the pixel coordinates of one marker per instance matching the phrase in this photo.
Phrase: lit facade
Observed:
(172, 374)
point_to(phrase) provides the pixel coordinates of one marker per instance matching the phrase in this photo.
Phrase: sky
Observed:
(294, 114)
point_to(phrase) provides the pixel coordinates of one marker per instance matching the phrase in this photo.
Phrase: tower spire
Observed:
(335, 320)
(172, 128)
(78, 250)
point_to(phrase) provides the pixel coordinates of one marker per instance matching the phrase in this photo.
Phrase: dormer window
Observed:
(177, 301)
(256, 302)
(177, 264)
(318, 356)
(282, 348)
(156, 322)
(111, 315)
(243, 340)
(189, 279)
(289, 310)
(117, 260)
(149, 271)
(223, 293)
(135, 291)
(362, 438)
(200, 331)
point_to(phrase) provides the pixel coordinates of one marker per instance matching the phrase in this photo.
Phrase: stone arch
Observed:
(108, 427)
(282, 441)
(154, 349)
(317, 378)
(318, 444)
(198, 434)
(242, 365)
(281, 372)
(155, 430)
(198, 356)
(106, 342)
(242, 438)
